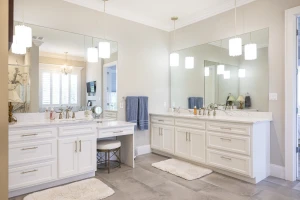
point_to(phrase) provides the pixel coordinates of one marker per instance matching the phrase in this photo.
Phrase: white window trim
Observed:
(52, 67)
(290, 92)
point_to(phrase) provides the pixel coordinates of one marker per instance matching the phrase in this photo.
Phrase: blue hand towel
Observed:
(132, 104)
(143, 113)
(195, 101)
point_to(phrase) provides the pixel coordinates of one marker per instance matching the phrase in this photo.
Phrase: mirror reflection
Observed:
(63, 69)
(208, 76)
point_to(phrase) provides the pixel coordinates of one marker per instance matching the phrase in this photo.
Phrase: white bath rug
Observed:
(90, 189)
(182, 169)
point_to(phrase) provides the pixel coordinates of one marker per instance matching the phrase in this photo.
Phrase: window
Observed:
(59, 89)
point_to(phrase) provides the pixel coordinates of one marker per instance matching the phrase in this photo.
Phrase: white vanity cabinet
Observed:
(235, 147)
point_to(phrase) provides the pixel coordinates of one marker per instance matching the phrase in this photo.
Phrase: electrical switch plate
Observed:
(273, 96)
(121, 105)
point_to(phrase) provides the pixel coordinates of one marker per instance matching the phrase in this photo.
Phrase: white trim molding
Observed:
(290, 92)
(277, 171)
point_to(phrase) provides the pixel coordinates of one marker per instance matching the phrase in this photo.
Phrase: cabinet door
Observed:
(167, 134)
(197, 145)
(156, 139)
(67, 157)
(182, 145)
(87, 153)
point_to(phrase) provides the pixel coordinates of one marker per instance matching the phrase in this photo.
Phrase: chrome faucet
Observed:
(176, 109)
(69, 108)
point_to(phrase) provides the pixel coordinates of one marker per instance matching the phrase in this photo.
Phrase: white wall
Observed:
(254, 16)
(143, 52)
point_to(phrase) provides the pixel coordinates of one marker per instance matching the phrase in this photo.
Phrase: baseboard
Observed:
(277, 171)
(141, 150)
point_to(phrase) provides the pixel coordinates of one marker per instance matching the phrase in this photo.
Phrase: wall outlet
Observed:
(273, 96)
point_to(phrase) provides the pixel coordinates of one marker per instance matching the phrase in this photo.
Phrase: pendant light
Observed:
(65, 69)
(104, 47)
(251, 50)
(235, 44)
(220, 67)
(24, 33)
(226, 74)
(92, 53)
(17, 47)
(206, 71)
(174, 57)
(189, 62)
(242, 73)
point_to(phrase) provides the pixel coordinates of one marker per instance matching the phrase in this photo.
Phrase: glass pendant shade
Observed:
(242, 73)
(92, 55)
(17, 47)
(220, 69)
(104, 50)
(174, 59)
(24, 34)
(250, 52)
(226, 74)
(235, 47)
(189, 62)
(206, 71)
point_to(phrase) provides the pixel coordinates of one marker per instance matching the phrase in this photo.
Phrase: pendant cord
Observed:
(235, 16)
(174, 35)
(23, 11)
(104, 15)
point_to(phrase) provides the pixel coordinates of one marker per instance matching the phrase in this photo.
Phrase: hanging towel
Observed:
(247, 102)
(132, 104)
(143, 113)
(195, 101)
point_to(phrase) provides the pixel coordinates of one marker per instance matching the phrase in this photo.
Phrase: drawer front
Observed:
(229, 128)
(32, 175)
(190, 123)
(32, 151)
(76, 130)
(103, 133)
(228, 142)
(230, 162)
(32, 134)
(110, 115)
(162, 120)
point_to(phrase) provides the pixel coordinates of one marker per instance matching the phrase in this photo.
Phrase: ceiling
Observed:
(158, 13)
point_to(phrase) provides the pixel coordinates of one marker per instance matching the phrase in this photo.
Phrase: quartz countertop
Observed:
(239, 117)
(114, 124)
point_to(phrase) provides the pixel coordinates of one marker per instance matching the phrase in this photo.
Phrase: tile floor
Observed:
(148, 183)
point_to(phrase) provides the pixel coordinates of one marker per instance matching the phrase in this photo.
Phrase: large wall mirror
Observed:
(208, 75)
(55, 73)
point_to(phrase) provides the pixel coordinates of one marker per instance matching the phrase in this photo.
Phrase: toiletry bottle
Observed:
(52, 114)
(195, 110)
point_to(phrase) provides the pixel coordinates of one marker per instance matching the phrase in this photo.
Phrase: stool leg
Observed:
(108, 162)
(120, 157)
(105, 162)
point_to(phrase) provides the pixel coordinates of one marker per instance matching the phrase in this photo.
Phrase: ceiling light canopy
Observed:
(189, 62)
(174, 57)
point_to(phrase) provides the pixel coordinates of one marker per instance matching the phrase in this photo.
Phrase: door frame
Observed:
(103, 89)
(291, 93)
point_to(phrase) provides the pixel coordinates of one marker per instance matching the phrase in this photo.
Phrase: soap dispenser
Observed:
(195, 110)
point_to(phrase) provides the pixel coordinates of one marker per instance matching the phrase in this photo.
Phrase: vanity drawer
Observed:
(32, 134)
(110, 115)
(32, 175)
(76, 130)
(228, 142)
(104, 133)
(230, 162)
(229, 128)
(31, 152)
(190, 123)
(162, 120)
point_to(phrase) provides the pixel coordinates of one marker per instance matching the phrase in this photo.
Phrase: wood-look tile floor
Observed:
(148, 183)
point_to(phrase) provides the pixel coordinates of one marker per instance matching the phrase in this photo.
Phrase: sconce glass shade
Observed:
(206, 71)
(174, 59)
(250, 52)
(189, 62)
(104, 50)
(242, 73)
(235, 47)
(24, 34)
(240, 99)
(220, 69)
(92, 55)
(226, 74)
(17, 47)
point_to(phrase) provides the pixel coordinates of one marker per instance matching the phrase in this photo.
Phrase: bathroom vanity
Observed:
(237, 145)
(44, 154)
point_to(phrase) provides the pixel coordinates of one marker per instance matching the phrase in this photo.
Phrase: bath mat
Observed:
(90, 189)
(182, 169)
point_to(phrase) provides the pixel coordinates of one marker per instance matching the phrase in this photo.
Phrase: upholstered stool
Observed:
(107, 147)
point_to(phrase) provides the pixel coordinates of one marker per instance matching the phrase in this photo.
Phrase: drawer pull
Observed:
(226, 158)
(160, 120)
(31, 148)
(75, 146)
(28, 135)
(118, 132)
(225, 128)
(228, 139)
(35, 170)
(79, 145)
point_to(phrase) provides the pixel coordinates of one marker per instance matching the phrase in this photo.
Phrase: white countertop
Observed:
(247, 117)
(114, 124)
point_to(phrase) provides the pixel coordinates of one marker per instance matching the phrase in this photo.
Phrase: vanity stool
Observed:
(107, 147)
